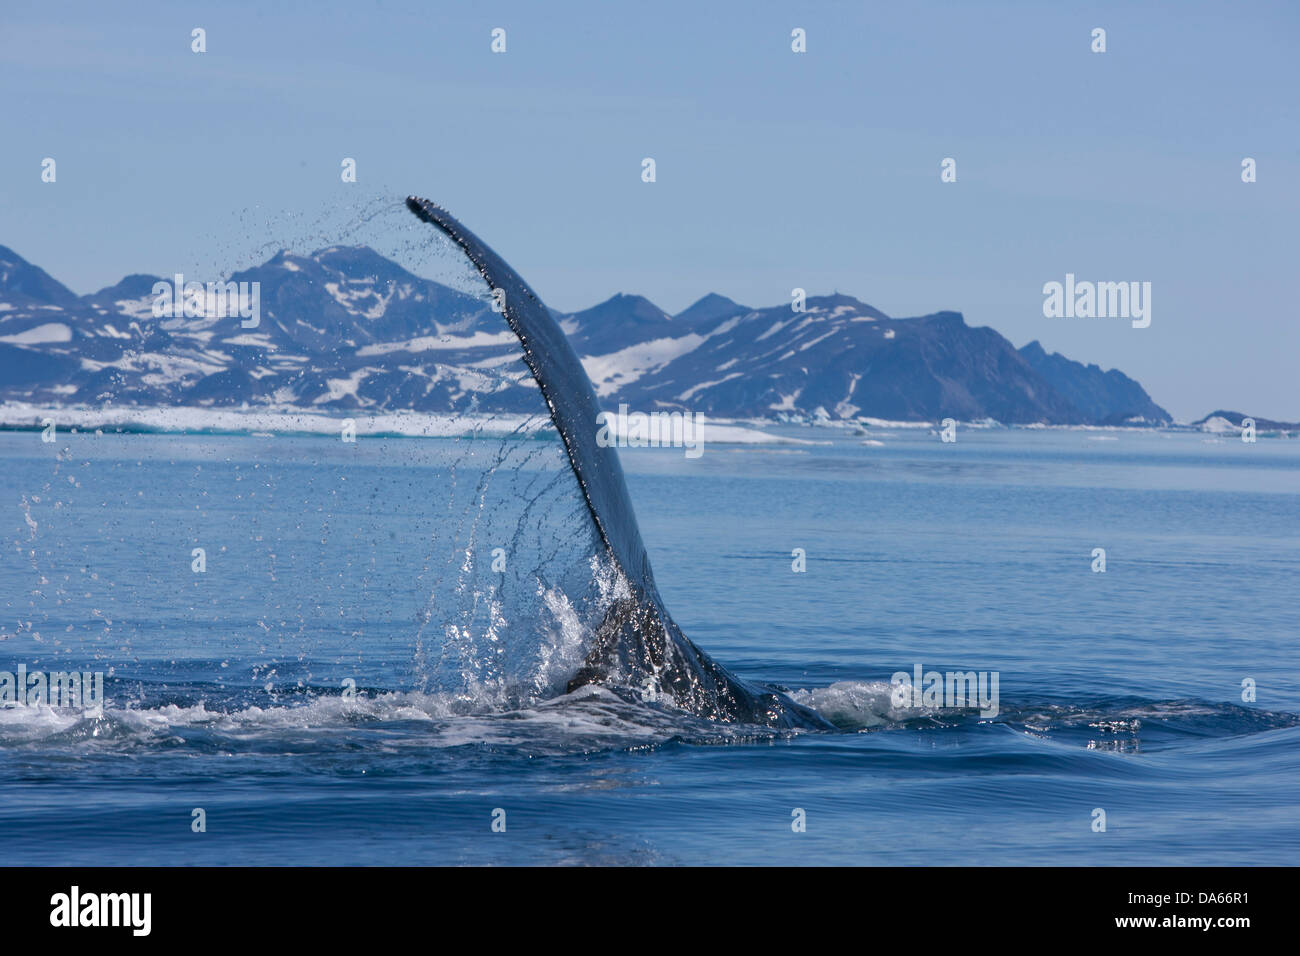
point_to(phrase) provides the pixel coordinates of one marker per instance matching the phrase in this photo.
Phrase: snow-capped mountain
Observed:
(347, 329)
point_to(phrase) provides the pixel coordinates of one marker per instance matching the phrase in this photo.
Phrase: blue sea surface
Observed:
(370, 564)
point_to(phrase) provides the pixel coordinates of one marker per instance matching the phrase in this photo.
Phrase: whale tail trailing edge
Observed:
(637, 645)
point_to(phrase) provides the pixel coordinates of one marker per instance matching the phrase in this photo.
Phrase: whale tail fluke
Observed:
(637, 646)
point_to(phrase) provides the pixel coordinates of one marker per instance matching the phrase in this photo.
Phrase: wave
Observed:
(201, 718)
(589, 719)
(1122, 724)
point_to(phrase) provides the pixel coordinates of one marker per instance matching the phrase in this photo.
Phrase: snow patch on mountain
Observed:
(40, 335)
(609, 373)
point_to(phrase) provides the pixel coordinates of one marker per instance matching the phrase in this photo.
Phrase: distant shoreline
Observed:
(23, 417)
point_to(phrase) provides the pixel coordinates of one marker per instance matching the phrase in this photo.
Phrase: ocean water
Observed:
(370, 565)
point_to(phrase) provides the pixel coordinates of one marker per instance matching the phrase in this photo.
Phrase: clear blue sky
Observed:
(775, 169)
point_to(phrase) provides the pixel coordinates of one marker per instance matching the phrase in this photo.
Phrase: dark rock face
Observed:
(1106, 398)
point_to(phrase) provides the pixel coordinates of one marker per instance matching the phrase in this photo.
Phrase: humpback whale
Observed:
(637, 645)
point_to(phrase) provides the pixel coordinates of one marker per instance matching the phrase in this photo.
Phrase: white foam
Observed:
(858, 705)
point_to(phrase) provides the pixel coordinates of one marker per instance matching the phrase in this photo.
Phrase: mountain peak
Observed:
(134, 286)
(18, 277)
(623, 307)
(353, 258)
(709, 308)
(619, 321)
(630, 300)
(838, 301)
